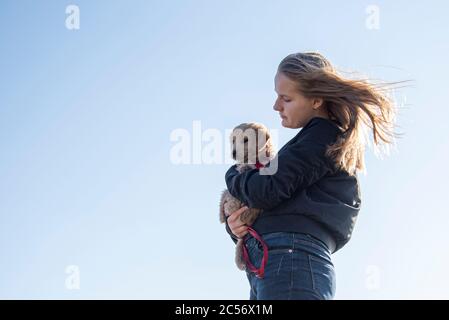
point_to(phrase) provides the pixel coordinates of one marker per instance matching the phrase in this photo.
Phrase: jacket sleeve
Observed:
(300, 164)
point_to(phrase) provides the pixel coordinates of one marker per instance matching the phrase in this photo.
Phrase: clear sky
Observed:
(86, 178)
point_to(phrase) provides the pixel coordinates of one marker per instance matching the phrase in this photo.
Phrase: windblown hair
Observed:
(353, 104)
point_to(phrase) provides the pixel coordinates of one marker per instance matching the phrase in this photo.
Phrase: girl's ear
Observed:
(317, 103)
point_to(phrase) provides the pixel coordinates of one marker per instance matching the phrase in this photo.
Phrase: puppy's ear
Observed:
(267, 149)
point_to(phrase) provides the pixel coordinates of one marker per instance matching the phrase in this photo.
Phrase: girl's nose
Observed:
(276, 107)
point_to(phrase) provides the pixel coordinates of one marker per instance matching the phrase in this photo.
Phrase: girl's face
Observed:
(294, 108)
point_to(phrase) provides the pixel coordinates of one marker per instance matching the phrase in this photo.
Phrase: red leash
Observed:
(258, 271)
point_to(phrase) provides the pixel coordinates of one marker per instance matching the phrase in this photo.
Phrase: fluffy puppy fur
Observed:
(251, 143)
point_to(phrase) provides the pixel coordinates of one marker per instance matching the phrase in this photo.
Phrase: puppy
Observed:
(252, 148)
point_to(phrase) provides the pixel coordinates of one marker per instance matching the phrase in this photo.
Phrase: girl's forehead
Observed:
(283, 85)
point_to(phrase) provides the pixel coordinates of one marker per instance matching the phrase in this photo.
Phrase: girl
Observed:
(310, 204)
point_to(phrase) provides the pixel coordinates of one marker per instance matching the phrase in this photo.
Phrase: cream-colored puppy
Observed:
(251, 147)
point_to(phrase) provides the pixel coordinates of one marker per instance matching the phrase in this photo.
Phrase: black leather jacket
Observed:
(307, 194)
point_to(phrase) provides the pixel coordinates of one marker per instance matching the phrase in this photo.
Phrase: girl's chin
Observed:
(286, 124)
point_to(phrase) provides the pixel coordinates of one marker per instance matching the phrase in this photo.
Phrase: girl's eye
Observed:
(287, 100)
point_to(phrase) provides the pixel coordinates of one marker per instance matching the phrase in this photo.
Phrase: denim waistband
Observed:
(295, 224)
(289, 238)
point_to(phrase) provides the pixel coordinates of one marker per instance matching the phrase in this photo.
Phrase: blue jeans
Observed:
(299, 267)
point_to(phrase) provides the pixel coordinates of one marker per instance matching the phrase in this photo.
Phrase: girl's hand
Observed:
(238, 228)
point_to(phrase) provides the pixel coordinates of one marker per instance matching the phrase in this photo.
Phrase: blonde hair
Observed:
(353, 104)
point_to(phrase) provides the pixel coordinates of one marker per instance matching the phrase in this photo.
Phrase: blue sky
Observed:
(85, 121)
